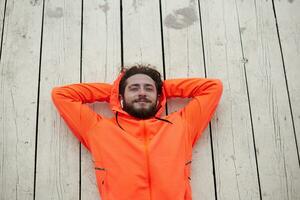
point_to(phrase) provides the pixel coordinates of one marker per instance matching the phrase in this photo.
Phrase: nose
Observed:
(142, 92)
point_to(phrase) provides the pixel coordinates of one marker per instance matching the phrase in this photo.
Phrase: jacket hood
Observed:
(115, 101)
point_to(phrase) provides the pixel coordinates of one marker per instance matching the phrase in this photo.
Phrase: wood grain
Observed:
(288, 20)
(19, 93)
(233, 148)
(271, 116)
(57, 173)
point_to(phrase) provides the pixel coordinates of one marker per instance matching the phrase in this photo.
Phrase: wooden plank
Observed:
(184, 58)
(272, 125)
(233, 148)
(101, 62)
(18, 92)
(288, 19)
(142, 33)
(2, 11)
(57, 174)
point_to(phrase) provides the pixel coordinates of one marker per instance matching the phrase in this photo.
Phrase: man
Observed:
(137, 154)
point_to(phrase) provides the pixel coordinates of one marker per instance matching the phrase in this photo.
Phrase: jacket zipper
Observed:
(147, 157)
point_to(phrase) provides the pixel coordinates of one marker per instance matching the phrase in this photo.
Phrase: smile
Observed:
(142, 101)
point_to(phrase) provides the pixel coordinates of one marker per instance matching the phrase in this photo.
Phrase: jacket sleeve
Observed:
(70, 102)
(205, 94)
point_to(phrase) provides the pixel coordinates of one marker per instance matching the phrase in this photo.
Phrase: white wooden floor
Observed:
(250, 151)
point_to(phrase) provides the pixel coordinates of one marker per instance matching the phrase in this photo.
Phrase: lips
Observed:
(142, 101)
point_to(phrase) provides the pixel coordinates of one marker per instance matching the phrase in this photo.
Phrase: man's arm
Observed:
(69, 101)
(206, 94)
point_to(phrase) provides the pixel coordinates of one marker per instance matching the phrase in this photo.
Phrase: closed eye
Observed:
(133, 88)
(149, 89)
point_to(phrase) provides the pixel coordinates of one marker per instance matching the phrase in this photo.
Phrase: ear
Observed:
(157, 101)
(121, 100)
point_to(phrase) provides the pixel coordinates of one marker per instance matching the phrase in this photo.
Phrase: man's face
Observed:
(140, 96)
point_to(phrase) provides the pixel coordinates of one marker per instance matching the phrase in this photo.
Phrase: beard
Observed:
(142, 113)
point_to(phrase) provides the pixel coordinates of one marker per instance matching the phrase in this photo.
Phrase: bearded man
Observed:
(138, 154)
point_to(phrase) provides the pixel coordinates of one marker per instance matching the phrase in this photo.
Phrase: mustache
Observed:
(142, 99)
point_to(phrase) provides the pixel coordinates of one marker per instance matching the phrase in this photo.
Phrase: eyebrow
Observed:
(137, 85)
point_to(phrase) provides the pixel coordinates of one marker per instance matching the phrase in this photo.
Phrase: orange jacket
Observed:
(138, 159)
